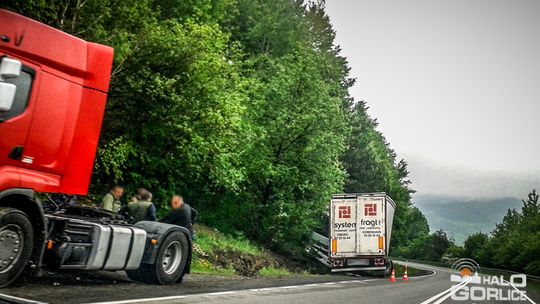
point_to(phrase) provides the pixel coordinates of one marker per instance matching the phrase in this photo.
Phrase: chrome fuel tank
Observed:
(98, 246)
(116, 248)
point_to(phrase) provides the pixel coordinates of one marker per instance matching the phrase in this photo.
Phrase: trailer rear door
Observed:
(371, 224)
(343, 241)
(358, 225)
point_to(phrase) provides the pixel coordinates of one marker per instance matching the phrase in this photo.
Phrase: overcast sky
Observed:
(455, 86)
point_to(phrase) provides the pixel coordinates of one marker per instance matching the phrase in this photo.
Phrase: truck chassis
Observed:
(86, 238)
(53, 93)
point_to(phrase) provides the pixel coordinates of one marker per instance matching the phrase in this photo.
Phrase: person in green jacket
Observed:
(111, 200)
(143, 209)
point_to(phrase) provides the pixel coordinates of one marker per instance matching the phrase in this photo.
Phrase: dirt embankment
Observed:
(244, 264)
(220, 251)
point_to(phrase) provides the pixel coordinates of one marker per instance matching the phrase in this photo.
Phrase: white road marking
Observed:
(371, 280)
(292, 286)
(351, 282)
(449, 294)
(452, 289)
(327, 284)
(263, 289)
(433, 272)
(19, 300)
(521, 292)
(220, 293)
(449, 271)
(145, 300)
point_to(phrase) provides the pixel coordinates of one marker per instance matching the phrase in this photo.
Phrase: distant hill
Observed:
(463, 217)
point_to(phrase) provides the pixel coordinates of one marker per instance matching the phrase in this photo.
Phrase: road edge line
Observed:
(521, 292)
(327, 284)
(441, 299)
(6, 297)
(442, 293)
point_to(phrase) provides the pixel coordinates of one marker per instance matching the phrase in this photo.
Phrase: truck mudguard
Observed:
(26, 201)
(158, 231)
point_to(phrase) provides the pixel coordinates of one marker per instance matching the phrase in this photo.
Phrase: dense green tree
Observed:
(430, 247)
(296, 121)
(243, 106)
(514, 243)
(472, 247)
(179, 106)
(438, 244)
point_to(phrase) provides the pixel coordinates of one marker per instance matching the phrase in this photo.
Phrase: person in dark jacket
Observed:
(139, 194)
(143, 209)
(181, 214)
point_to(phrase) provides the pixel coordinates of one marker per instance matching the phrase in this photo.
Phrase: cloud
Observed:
(454, 86)
(436, 178)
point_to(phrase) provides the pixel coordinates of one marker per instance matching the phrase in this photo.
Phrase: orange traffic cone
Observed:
(392, 276)
(405, 276)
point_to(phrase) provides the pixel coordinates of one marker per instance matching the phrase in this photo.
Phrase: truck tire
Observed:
(16, 243)
(170, 262)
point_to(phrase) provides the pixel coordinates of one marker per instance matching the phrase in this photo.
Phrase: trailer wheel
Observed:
(170, 262)
(16, 243)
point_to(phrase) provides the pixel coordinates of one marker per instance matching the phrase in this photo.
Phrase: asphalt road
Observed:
(433, 288)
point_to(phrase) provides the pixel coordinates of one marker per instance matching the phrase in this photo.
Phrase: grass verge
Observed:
(227, 255)
(400, 270)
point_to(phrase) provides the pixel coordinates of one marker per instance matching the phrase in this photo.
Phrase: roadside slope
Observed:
(220, 254)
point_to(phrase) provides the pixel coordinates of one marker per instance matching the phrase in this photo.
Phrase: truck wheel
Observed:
(170, 262)
(16, 243)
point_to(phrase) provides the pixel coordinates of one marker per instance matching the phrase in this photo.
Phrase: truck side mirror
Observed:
(7, 96)
(9, 68)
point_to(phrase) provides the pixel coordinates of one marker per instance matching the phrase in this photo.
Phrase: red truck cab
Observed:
(49, 146)
(53, 89)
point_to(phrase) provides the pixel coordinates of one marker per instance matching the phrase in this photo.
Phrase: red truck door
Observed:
(49, 138)
(14, 126)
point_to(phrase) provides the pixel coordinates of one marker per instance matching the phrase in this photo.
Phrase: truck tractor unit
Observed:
(355, 235)
(53, 91)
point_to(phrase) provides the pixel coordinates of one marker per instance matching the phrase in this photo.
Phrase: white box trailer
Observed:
(359, 233)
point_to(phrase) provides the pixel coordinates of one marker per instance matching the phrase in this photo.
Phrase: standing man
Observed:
(143, 209)
(181, 215)
(111, 200)
(139, 194)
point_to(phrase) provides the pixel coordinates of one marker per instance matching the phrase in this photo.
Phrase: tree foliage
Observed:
(242, 106)
(371, 166)
(515, 242)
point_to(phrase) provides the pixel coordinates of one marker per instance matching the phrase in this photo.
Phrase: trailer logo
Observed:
(370, 209)
(344, 211)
